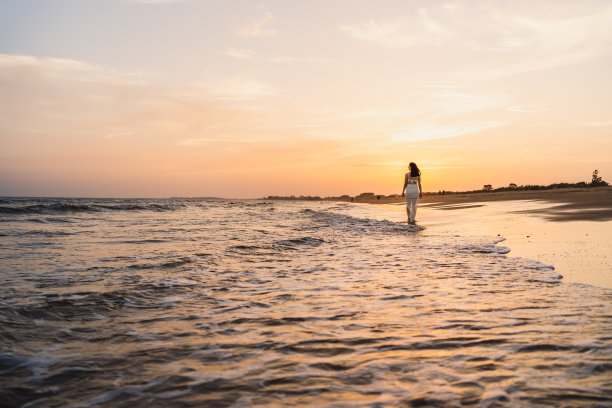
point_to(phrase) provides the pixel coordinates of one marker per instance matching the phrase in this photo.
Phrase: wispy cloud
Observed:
(527, 109)
(596, 123)
(421, 29)
(258, 27)
(228, 141)
(237, 88)
(387, 34)
(384, 113)
(239, 53)
(26, 65)
(41, 96)
(506, 40)
(455, 101)
(434, 131)
(18, 60)
(285, 59)
(118, 134)
(245, 54)
(434, 102)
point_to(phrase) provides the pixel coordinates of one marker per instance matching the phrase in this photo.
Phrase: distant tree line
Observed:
(596, 181)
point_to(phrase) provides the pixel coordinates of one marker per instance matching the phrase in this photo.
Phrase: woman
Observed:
(412, 187)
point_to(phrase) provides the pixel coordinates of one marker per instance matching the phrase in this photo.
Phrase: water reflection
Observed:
(231, 304)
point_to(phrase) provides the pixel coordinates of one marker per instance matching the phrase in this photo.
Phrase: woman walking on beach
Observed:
(412, 188)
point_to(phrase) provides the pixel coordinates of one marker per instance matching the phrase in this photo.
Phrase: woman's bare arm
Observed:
(420, 188)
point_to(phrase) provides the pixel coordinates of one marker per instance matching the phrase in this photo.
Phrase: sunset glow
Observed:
(245, 99)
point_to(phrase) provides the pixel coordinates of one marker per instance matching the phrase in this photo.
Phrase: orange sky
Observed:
(237, 99)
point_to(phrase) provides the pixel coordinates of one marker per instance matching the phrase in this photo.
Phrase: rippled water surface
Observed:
(217, 303)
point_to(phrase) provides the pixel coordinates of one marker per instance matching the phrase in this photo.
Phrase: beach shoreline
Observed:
(570, 229)
(565, 203)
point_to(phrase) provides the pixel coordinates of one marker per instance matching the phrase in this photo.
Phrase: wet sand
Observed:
(570, 229)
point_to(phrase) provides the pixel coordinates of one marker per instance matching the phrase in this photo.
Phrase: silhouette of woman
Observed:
(412, 189)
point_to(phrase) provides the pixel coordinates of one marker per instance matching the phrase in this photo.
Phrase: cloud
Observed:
(239, 54)
(119, 134)
(230, 140)
(435, 131)
(433, 103)
(71, 123)
(384, 113)
(398, 33)
(246, 54)
(421, 29)
(60, 64)
(454, 101)
(387, 34)
(22, 66)
(546, 60)
(596, 123)
(49, 96)
(237, 88)
(258, 28)
(508, 39)
(527, 109)
(282, 59)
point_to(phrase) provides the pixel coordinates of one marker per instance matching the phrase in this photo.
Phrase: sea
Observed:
(261, 303)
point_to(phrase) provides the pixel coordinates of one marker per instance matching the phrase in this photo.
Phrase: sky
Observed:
(244, 99)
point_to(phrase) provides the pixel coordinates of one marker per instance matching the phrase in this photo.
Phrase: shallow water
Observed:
(580, 250)
(224, 303)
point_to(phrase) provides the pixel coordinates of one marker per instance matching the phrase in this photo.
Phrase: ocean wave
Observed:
(295, 243)
(485, 249)
(63, 207)
(275, 250)
(344, 222)
(46, 208)
(45, 233)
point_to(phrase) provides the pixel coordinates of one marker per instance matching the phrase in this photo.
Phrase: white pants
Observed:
(411, 207)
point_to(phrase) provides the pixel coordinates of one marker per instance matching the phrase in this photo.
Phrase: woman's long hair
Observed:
(414, 170)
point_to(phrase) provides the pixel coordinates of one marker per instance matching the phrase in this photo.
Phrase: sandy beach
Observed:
(570, 229)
